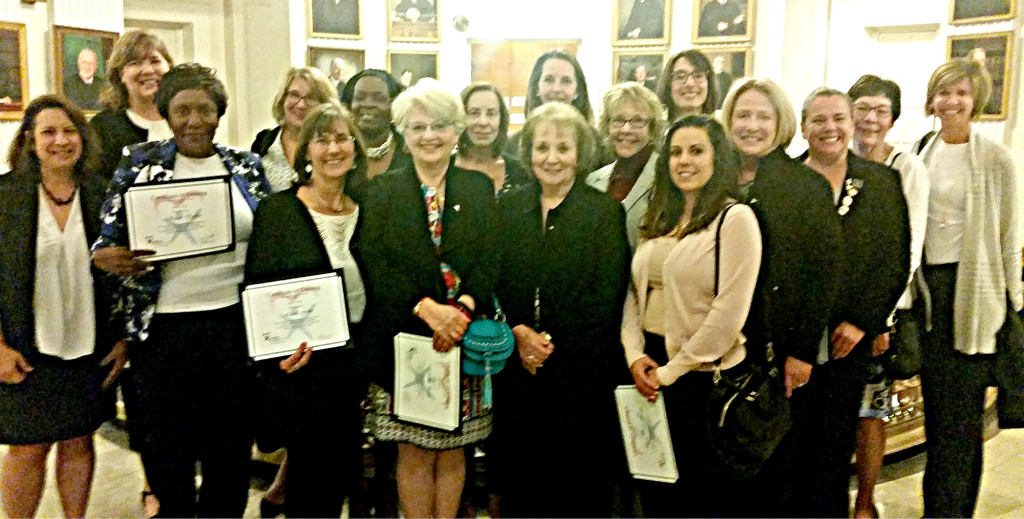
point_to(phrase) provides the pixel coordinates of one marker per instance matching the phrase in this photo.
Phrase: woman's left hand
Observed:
(844, 338)
(298, 358)
(880, 345)
(118, 356)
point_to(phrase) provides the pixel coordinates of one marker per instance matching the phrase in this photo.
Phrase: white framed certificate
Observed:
(427, 383)
(281, 315)
(180, 218)
(646, 436)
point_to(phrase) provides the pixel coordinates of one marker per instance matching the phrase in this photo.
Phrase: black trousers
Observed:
(953, 385)
(193, 390)
(824, 435)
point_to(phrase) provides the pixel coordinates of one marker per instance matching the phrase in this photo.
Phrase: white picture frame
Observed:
(281, 315)
(180, 218)
(646, 436)
(427, 383)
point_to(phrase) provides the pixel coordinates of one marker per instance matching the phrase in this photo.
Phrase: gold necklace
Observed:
(327, 205)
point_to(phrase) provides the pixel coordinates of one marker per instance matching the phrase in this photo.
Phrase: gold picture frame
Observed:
(342, 19)
(419, 64)
(79, 52)
(352, 61)
(626, 62)
(414, 21)
(641, 22)
(995, 50)
(737, 63)
(962, 12)
(723, 21)
(14, 96)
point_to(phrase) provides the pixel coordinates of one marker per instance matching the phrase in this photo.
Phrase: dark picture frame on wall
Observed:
(995, 51)
(335, 18)
(729, 64)
(627, 64)
(338, 64)
(409, 66)
(13, 71)
(641, 22)
(80, 64)
(723, 21)
(962, 12)
(414, 21)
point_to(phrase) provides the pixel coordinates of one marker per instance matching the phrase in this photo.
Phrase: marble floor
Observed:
(118, 481)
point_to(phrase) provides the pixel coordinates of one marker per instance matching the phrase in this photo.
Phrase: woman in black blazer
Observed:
(564, 273)
(54, 309)
(426, 246)
(303, 231)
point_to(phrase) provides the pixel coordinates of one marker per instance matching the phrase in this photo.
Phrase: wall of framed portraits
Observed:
(800, 43)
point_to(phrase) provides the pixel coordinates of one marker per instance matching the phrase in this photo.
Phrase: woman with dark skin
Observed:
(56, 359)
(194, 401)
(368, 95)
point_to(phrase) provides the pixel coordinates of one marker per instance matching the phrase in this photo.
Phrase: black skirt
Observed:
(58, 400)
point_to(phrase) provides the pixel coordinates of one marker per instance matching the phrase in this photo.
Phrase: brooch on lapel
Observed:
(852, 187)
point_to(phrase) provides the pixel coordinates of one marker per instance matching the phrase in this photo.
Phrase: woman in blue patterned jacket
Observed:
(183, 317)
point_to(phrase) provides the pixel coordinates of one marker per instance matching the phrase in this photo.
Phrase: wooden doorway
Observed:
(507, 65)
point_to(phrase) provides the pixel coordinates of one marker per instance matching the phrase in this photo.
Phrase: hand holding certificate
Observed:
(179, 219)
(646, 436)
(283, 314)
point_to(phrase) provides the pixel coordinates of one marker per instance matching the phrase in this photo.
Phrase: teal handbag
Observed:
(486, 345)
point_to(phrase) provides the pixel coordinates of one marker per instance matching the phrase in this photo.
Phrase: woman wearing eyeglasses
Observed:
(304, 89)
(630, 122)
(684, 85)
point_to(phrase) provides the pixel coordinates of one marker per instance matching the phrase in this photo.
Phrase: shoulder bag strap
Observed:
(718, 244)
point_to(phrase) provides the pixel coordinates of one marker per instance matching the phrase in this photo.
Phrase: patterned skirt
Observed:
(475, 423)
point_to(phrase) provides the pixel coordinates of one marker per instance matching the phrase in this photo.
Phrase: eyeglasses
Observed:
(420, 128)
(327, 140)
(882, 111)
(636, 122)
(293, 97)
(682, 76)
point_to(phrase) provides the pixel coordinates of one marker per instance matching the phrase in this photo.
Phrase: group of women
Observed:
(662, 237)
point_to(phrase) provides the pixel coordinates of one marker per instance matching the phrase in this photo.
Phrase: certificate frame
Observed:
(646, 436)
(427, 383)
(314, 306)
(200, 210)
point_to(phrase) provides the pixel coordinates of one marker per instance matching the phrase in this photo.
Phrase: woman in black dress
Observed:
(481, 144)
(564, 273)
(53, 310)
(303, 231)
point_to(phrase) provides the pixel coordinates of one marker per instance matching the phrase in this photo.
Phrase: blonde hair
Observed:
(786, 126)
(954, 70)
(429, 95)
(561, 115)
(633, 92)
(321, 89)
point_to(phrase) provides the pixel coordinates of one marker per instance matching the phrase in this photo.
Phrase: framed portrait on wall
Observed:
(80, 67)
(720, 21)
(641, 66)
(13, 71)
(977, 11)
(641, 22)
(995, 52)
(338, 64)
(728, 65)
(335, 19)
(413, 20)
(409, 66)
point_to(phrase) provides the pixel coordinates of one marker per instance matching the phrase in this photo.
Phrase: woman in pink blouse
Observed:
(679, 320)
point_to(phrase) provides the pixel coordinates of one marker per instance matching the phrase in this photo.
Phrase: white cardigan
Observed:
(990, 259)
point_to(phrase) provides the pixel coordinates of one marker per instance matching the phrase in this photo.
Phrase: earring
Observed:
(309, 168)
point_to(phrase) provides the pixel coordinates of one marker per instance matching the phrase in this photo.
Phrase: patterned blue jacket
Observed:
(154, 162)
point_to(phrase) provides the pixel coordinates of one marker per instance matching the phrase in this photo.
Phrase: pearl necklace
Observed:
(379, 151)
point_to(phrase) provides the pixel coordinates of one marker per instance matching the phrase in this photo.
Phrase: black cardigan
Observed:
(801, 258)
(115, 131)
(876, 242)
(401, 261)
(579, 259)
(18, 227)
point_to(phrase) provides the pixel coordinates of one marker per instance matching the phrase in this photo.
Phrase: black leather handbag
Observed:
(1010, 371)
(749, 413)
